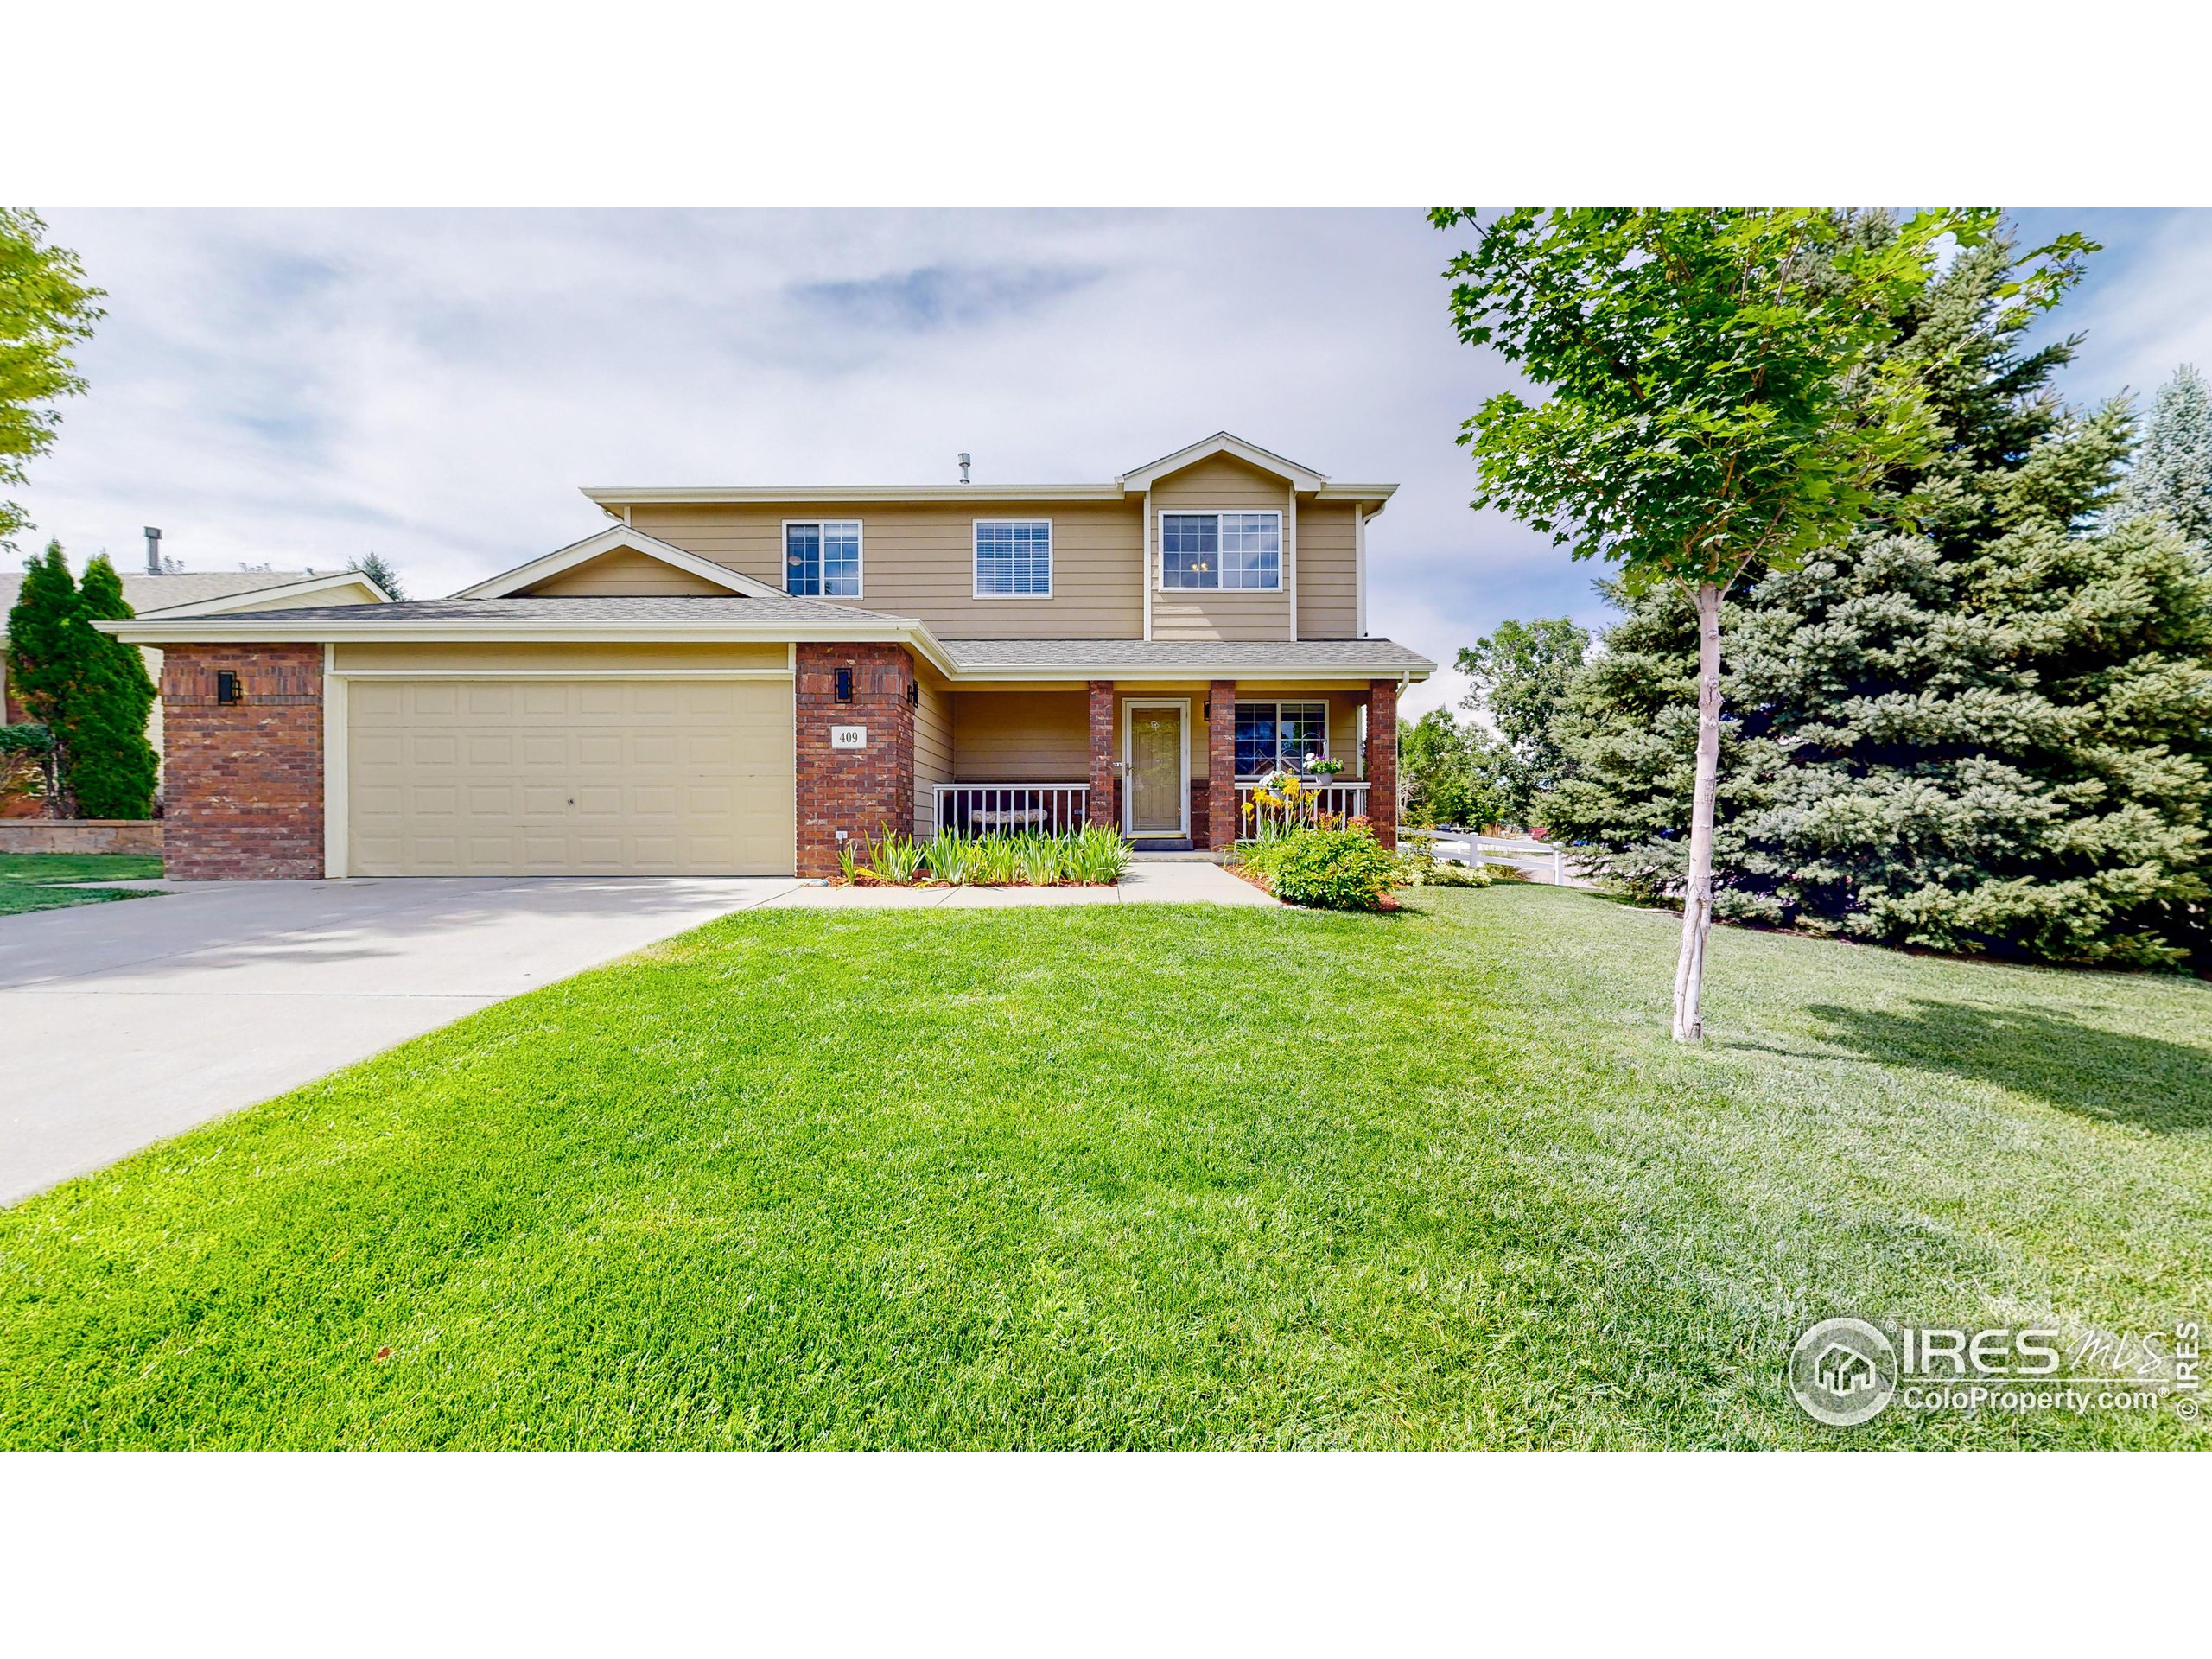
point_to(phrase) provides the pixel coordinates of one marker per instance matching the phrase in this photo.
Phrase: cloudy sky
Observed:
(298, 389)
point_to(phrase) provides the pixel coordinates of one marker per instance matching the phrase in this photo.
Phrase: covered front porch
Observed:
(1170, 764)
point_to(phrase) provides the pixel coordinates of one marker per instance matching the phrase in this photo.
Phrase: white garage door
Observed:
(570, 777)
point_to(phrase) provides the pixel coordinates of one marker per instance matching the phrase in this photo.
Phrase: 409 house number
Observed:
(848, 737)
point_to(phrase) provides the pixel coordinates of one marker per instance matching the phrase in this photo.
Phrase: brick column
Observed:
(242, 782)
(1102, 752)
(1221, 764)
(1383, 760)
(862, 792)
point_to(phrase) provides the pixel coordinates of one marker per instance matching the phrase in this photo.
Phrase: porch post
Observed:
(1383, 760)
(1102, 752)
(1221, 765)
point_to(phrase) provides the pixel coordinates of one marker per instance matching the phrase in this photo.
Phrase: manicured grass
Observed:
(1140, 1177)
(40, 881)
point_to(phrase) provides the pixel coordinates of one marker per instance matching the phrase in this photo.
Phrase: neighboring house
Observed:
(736, 680)
(202, 593)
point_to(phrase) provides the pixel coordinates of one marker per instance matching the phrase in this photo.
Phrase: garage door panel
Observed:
(581, 777)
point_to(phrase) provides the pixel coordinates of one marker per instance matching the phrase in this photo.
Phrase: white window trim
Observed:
(1278, 704)
(784, 557)
(975, 570)
(1160, 565)
(1129, 705)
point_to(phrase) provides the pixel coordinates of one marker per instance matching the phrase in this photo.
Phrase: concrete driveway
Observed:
(129, 1022)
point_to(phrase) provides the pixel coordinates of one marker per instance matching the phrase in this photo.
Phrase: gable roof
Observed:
(294, 582)
(1223, 443)
(616, 538)
(197, 592)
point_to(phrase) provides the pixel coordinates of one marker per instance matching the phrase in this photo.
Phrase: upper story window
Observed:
(1013, 558)
(1221, 549)
(822, 560)
(1271, 734)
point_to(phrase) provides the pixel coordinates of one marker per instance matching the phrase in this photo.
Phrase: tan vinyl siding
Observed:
(532, 657)
(1222, 483)
(933, 747)
(1328, 576)
(1219, 484)
(1188, 615)
(623, 573)
(1022, 737)
(917, 559)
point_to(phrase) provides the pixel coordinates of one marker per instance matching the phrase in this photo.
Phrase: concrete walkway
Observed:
(1162, 882)
(129, 1022)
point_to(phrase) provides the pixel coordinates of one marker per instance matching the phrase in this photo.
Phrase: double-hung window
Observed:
(1221, 549)
(822, 559)
(1013, 558)
(1271, 734)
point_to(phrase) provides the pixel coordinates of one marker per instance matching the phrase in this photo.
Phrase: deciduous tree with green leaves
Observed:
(1521, 673)
(1713, 390)
(45, 308)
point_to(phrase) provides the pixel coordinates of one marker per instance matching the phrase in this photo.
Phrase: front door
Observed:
(1156, 795)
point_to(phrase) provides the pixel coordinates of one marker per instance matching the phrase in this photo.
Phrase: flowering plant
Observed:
(1322, 767)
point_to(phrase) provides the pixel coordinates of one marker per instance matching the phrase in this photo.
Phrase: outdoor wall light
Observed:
(226, 685)
(844, 685)
(913, 694)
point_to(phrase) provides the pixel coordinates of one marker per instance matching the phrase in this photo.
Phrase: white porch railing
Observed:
(1335, 797)
(982, 809)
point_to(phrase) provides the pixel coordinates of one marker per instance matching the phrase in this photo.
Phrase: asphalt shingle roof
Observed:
(146, 595)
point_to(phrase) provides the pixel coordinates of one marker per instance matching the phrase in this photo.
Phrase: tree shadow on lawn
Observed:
(2144, 1082)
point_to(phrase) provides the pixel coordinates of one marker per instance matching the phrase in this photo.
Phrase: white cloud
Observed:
(302, 387)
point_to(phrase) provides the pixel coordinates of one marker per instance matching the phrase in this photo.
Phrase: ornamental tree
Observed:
(1713, 390)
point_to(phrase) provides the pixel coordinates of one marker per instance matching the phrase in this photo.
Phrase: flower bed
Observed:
(1093, 856)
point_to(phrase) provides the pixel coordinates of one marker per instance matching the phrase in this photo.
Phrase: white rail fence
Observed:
(1317, 797)
(983, 809)
(1465, 847)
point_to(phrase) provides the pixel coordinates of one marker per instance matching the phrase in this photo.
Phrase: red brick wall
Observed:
(861, 791)
(1103, 808)
(242, 782)
(1220, 767)
(1383, 760)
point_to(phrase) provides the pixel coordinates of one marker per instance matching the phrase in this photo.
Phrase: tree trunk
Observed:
(1697, 895)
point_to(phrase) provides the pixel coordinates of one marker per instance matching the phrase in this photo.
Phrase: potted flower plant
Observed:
(1321, 766)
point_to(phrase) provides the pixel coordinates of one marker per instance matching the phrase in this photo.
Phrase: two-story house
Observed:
(735, 680)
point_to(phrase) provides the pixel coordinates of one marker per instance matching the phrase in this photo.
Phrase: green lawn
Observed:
(40, 881)
(1140, 1177)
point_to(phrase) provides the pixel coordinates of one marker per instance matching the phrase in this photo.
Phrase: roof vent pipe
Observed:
(964, 465)
(153, 551)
